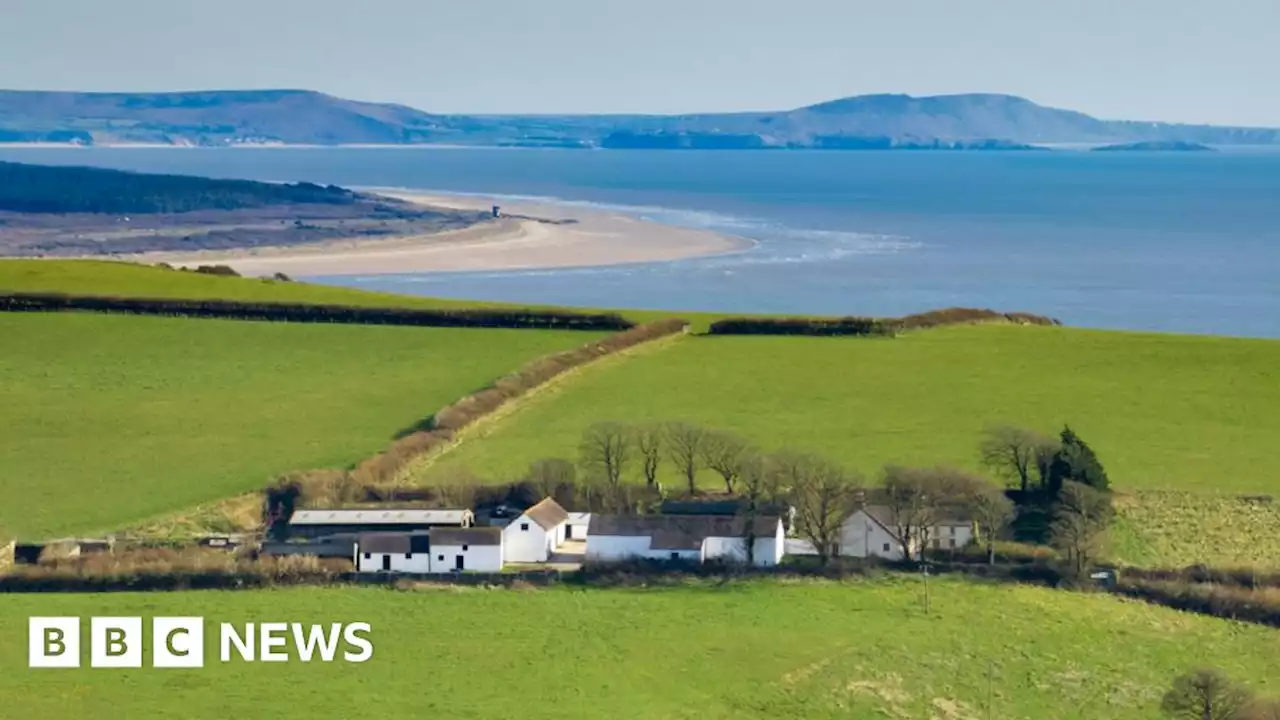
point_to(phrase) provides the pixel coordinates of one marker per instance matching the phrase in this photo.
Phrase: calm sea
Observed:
(1169, 242)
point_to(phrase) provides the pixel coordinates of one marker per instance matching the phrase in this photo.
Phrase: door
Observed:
(459, 563)
(386, 563)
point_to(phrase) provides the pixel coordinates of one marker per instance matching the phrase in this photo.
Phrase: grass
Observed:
(751, 650)
(1177, 529)
(112, 419)
(1162, 411)
(104, 277)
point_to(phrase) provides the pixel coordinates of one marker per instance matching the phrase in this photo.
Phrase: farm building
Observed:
(320, 523)
(536, 534)
(871, 532)
(442, 550)
(578, 524)
(691, 538)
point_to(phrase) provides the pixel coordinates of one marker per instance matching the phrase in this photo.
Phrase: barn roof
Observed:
(466, 536)
(547, 513)
(393, 543)
(394, 516)
(679, 532)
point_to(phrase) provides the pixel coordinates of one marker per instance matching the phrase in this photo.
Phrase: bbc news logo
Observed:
(178, 642)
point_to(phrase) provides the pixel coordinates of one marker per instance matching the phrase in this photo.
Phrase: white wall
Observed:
(767, 550)
(578, 524)
(950, 537)
(860, 536)
(415, 563)
(532, 544)
(610, 548)
(478, 558)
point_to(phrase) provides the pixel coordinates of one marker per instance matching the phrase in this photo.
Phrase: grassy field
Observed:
(1176, 529)
(758, 650)
(110, 419)
(1163, 411)
(101, 277)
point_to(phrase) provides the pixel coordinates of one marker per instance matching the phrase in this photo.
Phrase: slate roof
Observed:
(466, 536)
(678, 532)
(393, 543)
(547, 513)
(373, 516)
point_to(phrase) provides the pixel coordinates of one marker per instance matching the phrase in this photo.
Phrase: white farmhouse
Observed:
(537, 533)
(690, 538)
(872, 531)
(441, 550)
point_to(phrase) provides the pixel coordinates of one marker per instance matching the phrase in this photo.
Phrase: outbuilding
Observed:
(537, 533)
(688, 538)
(393, 552)
(441, 550)
(579, 522)
(307, 524)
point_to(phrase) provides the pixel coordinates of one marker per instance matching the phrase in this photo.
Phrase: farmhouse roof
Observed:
(394, 516)
(679, 532)
(951, 515)
(393, 543)
(466, 536)
(547, 513)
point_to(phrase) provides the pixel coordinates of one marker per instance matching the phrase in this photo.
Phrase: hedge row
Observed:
(337, 487)
(863, 326)
(301, 312)
(1234, 577)
(1224, 601)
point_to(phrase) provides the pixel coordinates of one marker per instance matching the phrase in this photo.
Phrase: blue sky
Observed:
(1178, 60)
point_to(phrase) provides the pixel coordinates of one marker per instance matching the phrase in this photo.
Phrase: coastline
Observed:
(528, 236)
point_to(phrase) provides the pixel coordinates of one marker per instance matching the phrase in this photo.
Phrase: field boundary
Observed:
(313, 313)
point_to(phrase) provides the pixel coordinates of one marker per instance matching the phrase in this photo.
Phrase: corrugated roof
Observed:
(466, 536)
(361, 516)
(547, 513)
(678, 532)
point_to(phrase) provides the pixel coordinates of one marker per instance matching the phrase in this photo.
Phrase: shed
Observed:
(536, 533)
(458, 549)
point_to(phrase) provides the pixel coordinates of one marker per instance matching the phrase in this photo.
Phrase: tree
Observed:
(1012, 453)
(1080, 520)
(724, 452)
(1075, 461)
(550, 474)
(684, 446)
(1205, 694)
(824, 496)
(916, 499)
(649, 442)
(606, 451)
(993, 512)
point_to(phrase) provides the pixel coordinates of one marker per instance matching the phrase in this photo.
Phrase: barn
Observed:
(441, 550)
(688, 538)
(311, 524)
(537, 533)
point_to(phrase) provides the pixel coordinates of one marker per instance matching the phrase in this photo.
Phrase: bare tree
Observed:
(1014, 453)
(684, 446)
(606, 450)
(1080, 520)
(759, 488)
(724, 452)
(649, 443)
(1205, 694)
(824, 495)
(550, 474)
(918, 498)
(993, 512)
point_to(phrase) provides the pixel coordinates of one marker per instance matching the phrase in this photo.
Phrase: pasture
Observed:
(1162, 411)
(112, 419)
(758, 649)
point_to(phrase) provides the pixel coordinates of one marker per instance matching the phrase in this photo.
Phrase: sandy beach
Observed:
(527, 236)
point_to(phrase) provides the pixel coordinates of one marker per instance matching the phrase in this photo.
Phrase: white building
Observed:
(691, 538)
(441, 550)
(578, 524)
(338, 521)
(872, 531)
(537, 533)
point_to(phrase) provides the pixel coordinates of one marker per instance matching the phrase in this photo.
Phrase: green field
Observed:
(1176, 529)
(1162, 411)
(111, 419)
(756, 650)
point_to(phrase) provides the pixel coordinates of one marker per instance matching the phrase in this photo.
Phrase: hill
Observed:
(1156, 146)
(743, 650)
(114, 419)
(218, 118)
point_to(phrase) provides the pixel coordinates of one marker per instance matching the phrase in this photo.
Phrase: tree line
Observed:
(869, 327)
(312, 313)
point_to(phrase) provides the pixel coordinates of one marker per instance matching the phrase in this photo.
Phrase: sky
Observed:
(1211, 61)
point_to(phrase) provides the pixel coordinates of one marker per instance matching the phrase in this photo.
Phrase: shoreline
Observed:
(529, 235)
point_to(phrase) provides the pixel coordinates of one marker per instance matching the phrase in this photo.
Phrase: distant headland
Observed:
(1156, 146)
(233, 118)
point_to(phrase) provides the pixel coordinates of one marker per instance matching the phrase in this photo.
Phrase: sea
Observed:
(1167, 242)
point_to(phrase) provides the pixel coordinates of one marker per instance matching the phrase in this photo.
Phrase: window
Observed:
(953, 542)
(524, 527)
(464, 548)
(951, 530)
(886, 547)
(368, 556)
(675, 556)
(408, 556)
(440, 558)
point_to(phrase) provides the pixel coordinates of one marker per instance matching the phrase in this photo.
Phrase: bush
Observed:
(1223, 601)
(855, 326)
(962, 316)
